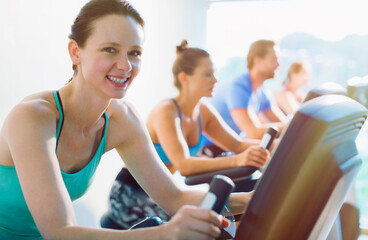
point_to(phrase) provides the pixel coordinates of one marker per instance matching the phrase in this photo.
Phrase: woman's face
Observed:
(300, 78)
(203, 81)
(111, 57)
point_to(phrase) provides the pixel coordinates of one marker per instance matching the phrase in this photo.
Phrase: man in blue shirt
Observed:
(243, 102)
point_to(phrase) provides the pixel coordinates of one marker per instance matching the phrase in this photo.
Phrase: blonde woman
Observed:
(290, 95)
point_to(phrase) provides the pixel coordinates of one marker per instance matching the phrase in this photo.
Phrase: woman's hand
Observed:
(194, 223)
(255, 156)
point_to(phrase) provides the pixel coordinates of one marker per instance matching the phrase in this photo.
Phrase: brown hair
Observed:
(295, 67)
(187, 60)
(258, 49)
(96, 9)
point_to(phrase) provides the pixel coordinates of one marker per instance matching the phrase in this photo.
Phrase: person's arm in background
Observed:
(237, 97)
(247, 120)
(272, 114)
(248, 123)
(286, 101)
(221, 134)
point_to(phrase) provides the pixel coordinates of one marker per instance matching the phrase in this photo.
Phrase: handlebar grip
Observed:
(268, 137)
(218, 194)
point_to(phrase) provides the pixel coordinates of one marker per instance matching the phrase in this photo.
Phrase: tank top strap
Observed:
(106, 123)
(179, 110)
(61, 116)
(200, 123)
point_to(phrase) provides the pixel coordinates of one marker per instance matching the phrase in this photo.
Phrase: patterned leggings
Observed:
(128, 203)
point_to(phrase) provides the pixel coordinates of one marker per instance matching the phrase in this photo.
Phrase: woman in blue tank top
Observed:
(52, 142)
(176, 127)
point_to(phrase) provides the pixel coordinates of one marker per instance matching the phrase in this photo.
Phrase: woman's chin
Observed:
(118, 94)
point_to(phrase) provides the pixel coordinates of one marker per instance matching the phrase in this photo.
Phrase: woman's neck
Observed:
(81, 106)
(187, 103)
(291, 86)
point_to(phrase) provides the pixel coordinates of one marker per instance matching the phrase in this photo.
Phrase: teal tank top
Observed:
(193, 150)
(16, 221)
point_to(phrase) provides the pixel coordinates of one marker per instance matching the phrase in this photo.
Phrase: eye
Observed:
(209, 75)
(110, 50)
(135, 53)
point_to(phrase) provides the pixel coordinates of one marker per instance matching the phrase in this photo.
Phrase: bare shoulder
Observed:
(209, 115)
(121, 110)
(207, 109)
(165, 105)
(125, 123)
(39, 108)
(33, 118)
(163, 109)
(205, 106)
(35, 114)
(44, 95)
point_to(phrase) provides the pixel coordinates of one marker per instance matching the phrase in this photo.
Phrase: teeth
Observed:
(117, 80)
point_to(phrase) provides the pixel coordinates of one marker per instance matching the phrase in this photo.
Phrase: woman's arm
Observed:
(140, 157)
(142, 160)
(165, 123)
(29, 132)
(287, 102)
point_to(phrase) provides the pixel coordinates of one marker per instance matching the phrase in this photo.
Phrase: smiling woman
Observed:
(104, 49)
(51, 142)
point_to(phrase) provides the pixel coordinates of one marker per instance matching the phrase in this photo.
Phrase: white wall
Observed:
(33, 57)
(168, 22)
